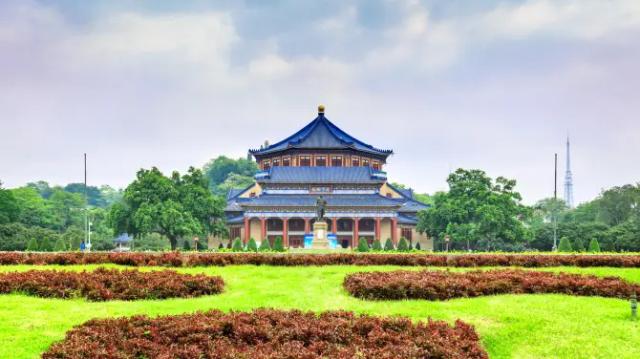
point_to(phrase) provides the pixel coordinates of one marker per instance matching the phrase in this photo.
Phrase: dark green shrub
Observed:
(265, 245)
(237, 245)
(377, 246)
(278, 246)
(59, 246)
(565, 245)
(186, 245)
(403, 245)
(594, 246)
(418, 246)
(388, 245)
(252, 246)
(578, 245)
(33, 245)
(363, 246)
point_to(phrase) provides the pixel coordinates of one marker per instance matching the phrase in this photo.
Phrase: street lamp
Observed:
(446, 241)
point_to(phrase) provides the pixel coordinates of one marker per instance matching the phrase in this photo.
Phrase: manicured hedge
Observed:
(177, 259)
(443, 285)
(109, 284)
(267, 334)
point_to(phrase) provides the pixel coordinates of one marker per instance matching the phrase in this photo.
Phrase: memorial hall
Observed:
(321, 160)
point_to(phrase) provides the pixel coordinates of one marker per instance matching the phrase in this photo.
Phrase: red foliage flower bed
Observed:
(105, 284)
(443, 285)
(267, 334)
(177, 259)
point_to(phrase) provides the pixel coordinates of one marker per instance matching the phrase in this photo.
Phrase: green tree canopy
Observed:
(173, 207)
(225, 173)
(9, 209)
(477, 212)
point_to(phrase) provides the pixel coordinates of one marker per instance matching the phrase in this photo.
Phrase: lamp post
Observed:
(195, 242)
(446, 242)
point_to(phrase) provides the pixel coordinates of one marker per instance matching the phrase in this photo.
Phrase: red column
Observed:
(285, 231)
(263, 225)
(334, 225)
(394, 230)
(356, 235)
(307, 225)
(247, 230)
(378, 228)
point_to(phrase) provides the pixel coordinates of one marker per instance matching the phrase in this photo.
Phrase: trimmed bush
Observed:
(278, 246)
(594, 246)
(59, 246)
(252, 246)
(377, 246)
(403, 245)
(443, 285)
(565, 245)
(186, 245)
(418, 246)
(388, 245)
(237, 245)
(267, 333)
(265, 245)
(110, 284)
(177, 259)
(363, 246)
(33, 245)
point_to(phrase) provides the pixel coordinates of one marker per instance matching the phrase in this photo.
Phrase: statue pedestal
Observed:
(320, 232)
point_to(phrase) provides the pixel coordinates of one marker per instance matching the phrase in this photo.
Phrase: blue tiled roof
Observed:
(406, 219)
(301, 200)
(321, 175)
(321, 133)
(411, 204)
(123, 238)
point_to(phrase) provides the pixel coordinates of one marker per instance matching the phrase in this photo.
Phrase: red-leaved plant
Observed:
(110, 284)
(443, 285)
(267, 333)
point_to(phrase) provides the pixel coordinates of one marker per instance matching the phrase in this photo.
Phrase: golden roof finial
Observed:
(320, 109)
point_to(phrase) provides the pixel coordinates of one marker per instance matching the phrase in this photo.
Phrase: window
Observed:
(266, 165)
(365, 162)
(234, 232)
(336, 161)
(321, 161)
(355, 161)
(407, 233)
(305, 161)
(286, 161)
(320, 189)
(276, 162)
(376, 165)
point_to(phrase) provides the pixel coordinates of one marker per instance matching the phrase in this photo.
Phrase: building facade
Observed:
(323, 160)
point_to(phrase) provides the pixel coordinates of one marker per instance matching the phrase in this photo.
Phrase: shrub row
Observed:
(267, 334)
(177, 259)
(109, 284)
(443, 285)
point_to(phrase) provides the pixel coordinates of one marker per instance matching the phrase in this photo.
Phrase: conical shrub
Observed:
(252, 246)
(363, 246)
(594, 246)
(237, 245)
(388, 245)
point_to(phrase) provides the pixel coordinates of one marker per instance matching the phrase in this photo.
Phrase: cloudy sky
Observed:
(495, 85)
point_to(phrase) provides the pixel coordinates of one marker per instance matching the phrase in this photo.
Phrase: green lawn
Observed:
(511, 326)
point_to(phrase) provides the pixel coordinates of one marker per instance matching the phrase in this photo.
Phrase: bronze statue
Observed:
(321, 205)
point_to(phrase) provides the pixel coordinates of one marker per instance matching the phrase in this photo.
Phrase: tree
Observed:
(94, 195)
(174, 207)
(377, 246)
(34, 210)
(218, 170)
(403, 245)
(265, 246)
(9, 209)
(476, 212)
(363, 246)
(252, 246)
(237, 245)
(594, 246)
(565, 245)
(42, 187)
(33, 245)
(60, 245)
(278, 246)
(388, 245)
